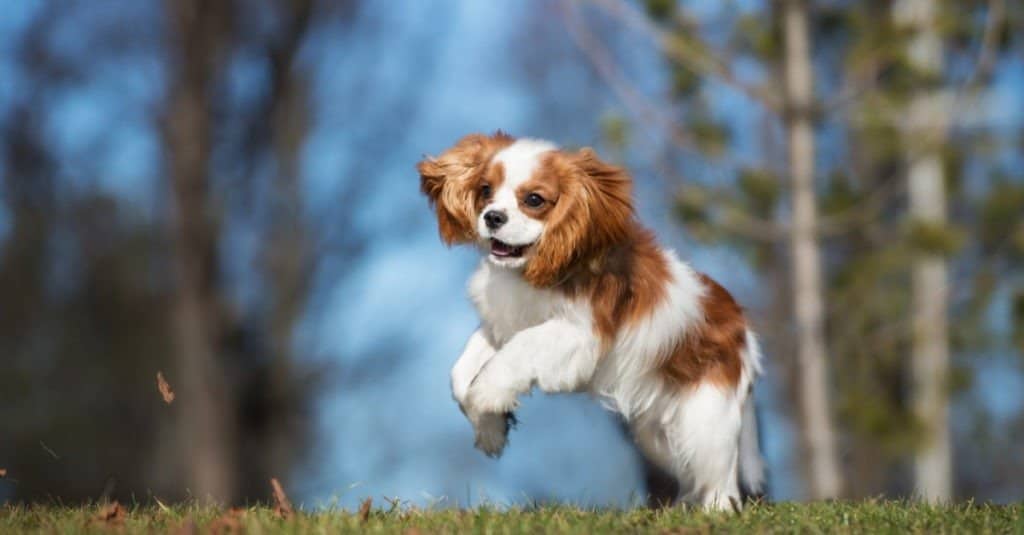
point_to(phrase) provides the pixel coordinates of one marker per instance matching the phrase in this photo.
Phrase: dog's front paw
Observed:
(492, 432)
(486, 397)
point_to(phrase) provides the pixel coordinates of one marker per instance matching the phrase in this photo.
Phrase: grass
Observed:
(839, 517)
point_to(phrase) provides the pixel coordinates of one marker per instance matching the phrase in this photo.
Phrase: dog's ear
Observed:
(449, 182)
(594, 212)
(610, 194)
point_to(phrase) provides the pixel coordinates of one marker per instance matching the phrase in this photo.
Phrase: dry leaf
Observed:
(229, 522)
(283, 507)
(164, 388)
(111, 514)
(364, 509)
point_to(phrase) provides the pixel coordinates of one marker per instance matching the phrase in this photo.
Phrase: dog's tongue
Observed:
(499, 248)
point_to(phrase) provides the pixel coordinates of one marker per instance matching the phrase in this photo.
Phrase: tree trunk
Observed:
(286, 256)
(925, 131)
(825, 479)
(206, 415)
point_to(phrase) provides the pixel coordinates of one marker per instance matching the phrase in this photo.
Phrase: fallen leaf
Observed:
(164, 388)
(111, 514)
(283, 506)
(364, 509)
(229, 522)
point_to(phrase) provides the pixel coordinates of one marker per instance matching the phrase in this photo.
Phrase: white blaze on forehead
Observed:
(520, 160)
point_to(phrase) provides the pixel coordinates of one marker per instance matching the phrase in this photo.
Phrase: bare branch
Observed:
(862, 212)
(740, 224)
(626, 92)
(983, 66)
(700, 62)
(733, 222)
(989, 42)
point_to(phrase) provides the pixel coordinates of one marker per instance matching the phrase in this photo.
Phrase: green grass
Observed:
(841, 517)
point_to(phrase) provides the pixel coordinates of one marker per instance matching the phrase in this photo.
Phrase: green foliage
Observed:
(758, 37)
(954, 157)
(971, 331)
(1017, 317)
(615, 132)
(691, 208)
(685, 83)
(660, 10)
(762, 190)
(840, 194)
(903, 79)
(926, 237)
(872, 516)
(712, 137)
(880, 141)
(1001, 218)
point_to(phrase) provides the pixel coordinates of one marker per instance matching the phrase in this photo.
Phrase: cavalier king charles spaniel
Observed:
(574, 295)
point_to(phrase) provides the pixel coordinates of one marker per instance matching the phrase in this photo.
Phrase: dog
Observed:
(575, 295)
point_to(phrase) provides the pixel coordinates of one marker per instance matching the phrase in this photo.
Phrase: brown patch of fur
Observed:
(592, 214)
(450, 181)
(711, 351)
(624, 283)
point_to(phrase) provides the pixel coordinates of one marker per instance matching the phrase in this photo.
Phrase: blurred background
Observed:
(224, 192)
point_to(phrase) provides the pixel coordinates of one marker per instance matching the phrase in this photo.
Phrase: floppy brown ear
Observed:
(594, 212)
(448, 182)
(610, 191)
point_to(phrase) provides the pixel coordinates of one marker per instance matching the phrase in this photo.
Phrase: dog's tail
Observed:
(752, 471)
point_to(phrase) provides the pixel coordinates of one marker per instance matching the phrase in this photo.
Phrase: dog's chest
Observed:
(507, 304)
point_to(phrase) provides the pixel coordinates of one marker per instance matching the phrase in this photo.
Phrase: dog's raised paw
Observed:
(492, 434)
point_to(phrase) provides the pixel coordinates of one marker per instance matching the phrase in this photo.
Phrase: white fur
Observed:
(532, 337)
(520, 161)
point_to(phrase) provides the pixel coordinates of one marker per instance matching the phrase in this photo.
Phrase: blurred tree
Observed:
(103, 296)
(816, 419)
(908, 147)
(927, 119)
(200, 36)
(81, 420)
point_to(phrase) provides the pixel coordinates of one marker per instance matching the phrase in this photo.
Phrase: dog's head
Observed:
(530, 206)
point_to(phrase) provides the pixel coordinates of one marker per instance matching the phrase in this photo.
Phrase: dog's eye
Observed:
(485, 190)
(533, 200)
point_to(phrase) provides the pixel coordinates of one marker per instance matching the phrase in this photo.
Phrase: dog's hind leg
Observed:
(703, 442)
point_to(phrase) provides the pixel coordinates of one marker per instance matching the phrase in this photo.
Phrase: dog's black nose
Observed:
(495, 219)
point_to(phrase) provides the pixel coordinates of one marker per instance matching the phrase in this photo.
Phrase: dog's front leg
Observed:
(556, 356)
(477, 352)
(490, 429)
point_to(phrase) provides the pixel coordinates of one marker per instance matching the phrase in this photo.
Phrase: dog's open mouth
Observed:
(501, 249)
